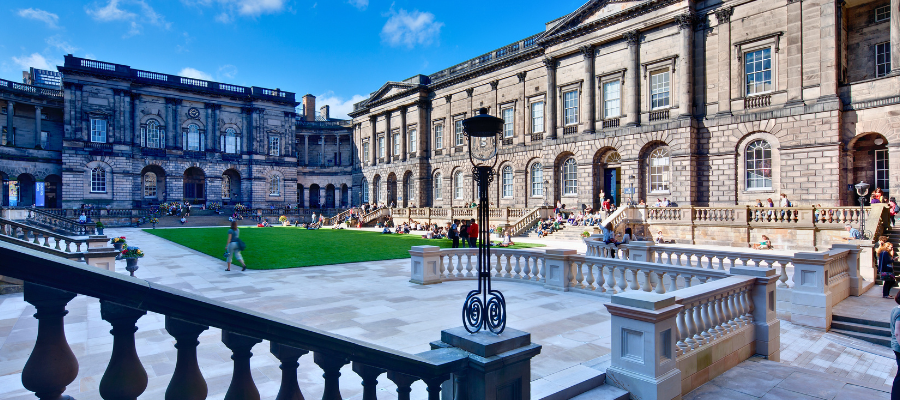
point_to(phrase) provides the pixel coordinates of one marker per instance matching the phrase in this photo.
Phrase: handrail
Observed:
(337, 218)
(52, 221)
(129, 292)
(525, 222)
(62, 245)
(616, 217)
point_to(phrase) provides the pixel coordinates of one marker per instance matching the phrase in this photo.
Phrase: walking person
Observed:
(234, 247)
(894, 209)
(895, 335)
(464, 233)
(473, 233)
(886, 268)
(454, 233)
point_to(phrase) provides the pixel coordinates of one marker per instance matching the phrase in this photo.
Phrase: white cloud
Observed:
(409, 29)
(227, 71)
(135, 12)
(35, 60)
(46, 17)
(57, 42)
(183, 48)
(338, 105)
(247, 8)
(360, 4)
(189, 72)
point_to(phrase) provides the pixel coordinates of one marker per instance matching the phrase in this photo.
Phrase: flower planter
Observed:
(99, 231)
(131, 265)
(117, 246)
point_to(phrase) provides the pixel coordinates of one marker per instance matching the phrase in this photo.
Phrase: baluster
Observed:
(290, 388)
(331, 364)
(187, 382)
(369, 375)
(682, 333)
(648, 286)
(35, 235)
(635, 285)
(579, 274)
(518, 268)
(403, 383)
(690, 327)
(242, 386)
(57, 239)
(623, 282)
(68, 246)
(51, 365)
(508, 265)
(495, 263)
(590, 277)
(706, 321)
(449, 273)
(46, 241)
(537, 269)
(728, 311)
(699, 327)
(610, 284)
(526, 271)
(660, 284)
(673, 281)
(469, 265)
(720, 317)
(434, 386)
(125, 377)
(747, 306)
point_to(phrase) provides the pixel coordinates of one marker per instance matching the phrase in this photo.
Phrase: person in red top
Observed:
(473, 234)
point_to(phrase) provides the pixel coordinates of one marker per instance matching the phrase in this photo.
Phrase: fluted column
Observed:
(125, 377)
(590, 97)
(685, 75)
(550, 110)
(51, 365)
(242, 386)
(322, 153)
(633, 79)
(306, 149)
(723, 16)
(524, 109)
(404, 140)
(187, 381)
(37, 125)
(895, 36)
(290, 389)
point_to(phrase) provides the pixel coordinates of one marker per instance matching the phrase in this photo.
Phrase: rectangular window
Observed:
(381, 147)
(231, 144)
(537, 117)
(194, 142)
(412, 140)
(611, 98)
(882, 178)
(45, 140)
(458, 131)
(98, 130)
(396, 143)
(509, 116)
(438, 136)
(758, 71)
(274, 146)
(365, 151)
(882, 59)
(570, 102)
(659, 90)
(883, 13)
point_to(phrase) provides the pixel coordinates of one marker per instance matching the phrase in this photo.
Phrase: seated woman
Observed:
(386, 230)
(765, 244)
(507, 241)
(82, 219)
(265, 223)
(659, 237)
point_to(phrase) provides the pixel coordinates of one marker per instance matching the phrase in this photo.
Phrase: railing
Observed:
(617, 217)
(722, 260)
(598, 248)
(713, 214)
(611, 123)
(655, 214)
(525, 222)
(658, 115)
(337, 218)
(51, 282)
(375, 215)
(36, 90)
(537, 137)
(324, 124)
(105, 147)
(758, 101)
(712, 312)
(568, 130)
(41, 237)
(50, 221)
(489, 58)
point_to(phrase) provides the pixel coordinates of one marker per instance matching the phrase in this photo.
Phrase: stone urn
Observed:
(118, 246)
(131, 265)
(99, 231)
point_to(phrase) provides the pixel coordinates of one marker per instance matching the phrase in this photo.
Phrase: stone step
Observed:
(604, 392)
(861, 328)
(567, 383)
(856, 320)
(874, 339)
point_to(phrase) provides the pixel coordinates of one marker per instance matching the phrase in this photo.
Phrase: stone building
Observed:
(703, 103)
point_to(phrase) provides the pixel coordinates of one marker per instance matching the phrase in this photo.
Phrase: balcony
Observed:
(152, 152)
(570, 130)
(32, 90)
(98, 147)
(611, 123)
(764, 100)
(537, 137)
(658, 115)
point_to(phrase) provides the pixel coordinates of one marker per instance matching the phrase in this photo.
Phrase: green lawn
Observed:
(289, 247)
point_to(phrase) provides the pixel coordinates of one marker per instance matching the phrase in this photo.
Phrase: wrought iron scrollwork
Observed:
(484, 307)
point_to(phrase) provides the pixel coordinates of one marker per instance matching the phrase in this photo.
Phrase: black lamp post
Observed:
(862, 189)
(631, 190)
(484, 307)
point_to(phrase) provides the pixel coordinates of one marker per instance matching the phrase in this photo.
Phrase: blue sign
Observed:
(39, 194)
(629, 190)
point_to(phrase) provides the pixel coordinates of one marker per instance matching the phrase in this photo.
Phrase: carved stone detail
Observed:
(632, 37)
(685, 21)
(723, 15)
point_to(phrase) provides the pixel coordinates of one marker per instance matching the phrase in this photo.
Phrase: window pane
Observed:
(759, 165)
(438, 136)
(611, 96)
(537, 180)
(458, 130)
(570, 177)
(758, 71)
(659, 170)
(193, 138)
(458, 186)
(507, 182)
(412, 140)
(396, 143)
(537, 117)
(98, 130)
(882, 59)
(659, 89)
(570, 100)
(508, 122)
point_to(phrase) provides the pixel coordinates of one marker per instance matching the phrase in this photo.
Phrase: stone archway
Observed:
(345, 196)
(153, 184)
(231, 186)
(329, 196)
(24, 190)
(314, 199)
(869, 162)
(606, 177)
(194, 185)
(392, 190)
(53, 191)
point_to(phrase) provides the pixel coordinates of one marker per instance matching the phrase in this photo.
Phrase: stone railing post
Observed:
(290, 388)
(767, 327)
(242, 386)
(858, 284)
(557, 269)
(425, 264)
(499, 365)
(51, 365)
(868, 268)
(640, 251)
(810, 297)
(125, 377)
(187, 382)
(369, 375)
(643, 345)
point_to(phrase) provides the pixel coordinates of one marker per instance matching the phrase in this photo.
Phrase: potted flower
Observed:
(131, 256)
(585, 234)
(118, 242)
(154, 221)
(99, 228)
(284, 220)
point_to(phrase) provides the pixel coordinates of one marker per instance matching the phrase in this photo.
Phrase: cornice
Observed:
(593, 26)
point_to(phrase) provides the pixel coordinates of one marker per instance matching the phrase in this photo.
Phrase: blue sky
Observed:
(338, 50)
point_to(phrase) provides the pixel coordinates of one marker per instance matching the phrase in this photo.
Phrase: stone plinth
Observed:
(500, 365)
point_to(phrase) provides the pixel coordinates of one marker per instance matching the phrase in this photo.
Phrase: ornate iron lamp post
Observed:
(862, 189)
(484, 307)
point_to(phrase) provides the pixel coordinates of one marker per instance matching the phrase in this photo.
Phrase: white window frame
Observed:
(882, 13)
(885, 48)
(437, 186)
(365, 191)
(755, 162)
(663, 89)
(99, 128)
(570, 107)
(606, 101)
(767, 85)
(537, 116)
(98, 180)
(366, 158)
(154, 139)
(232, 141)
(882, 173)
(537, 180)
(45, 140)
(458, 130)
(659, 176)
(395, 141)
(458, 185)
(381, 148)
(509, 121)
(274, 146)
(193, 137)
(569, 177)
(275, 186)
(150, 185)
(507, 181)
(412, 140)
(439, 136)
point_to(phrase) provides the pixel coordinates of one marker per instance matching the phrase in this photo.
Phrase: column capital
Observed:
(686, 20)
(521, 76)
(549, 63)
(470, 91)
(723, 15)
(632, 37)
(448, 98)
(587, 50)
(494, 85)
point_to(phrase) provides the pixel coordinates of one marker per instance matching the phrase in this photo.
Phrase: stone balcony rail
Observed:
(519, 218)
(52, 221)
(34, 90)
(830, 217)
(93, 250)
(51, 282)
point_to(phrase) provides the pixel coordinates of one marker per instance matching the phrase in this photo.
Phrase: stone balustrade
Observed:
(93, 250)
(521, 219)
(55, 222)
(465, 366)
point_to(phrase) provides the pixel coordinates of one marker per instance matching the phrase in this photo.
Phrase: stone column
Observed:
(10, 113)
(306, 149)
(523, 110)
(373, 146)
(37, 125)
(685, 73)
(550, 109)
(423, 128)
(895, 36)
(723, 16)
(499, 365)
(860, 257)
(767, 327)
(794, 52)
(590, 97)
(136, 119)
(830, 45)
(557, 269)
(388, 138)
(632, 108)
(811, 298)
(404, 140)
(322, 154)
(339, 161)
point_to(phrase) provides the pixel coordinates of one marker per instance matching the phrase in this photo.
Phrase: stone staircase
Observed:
(566, 232)
(877, 332)
(586, 381)
(201, 220)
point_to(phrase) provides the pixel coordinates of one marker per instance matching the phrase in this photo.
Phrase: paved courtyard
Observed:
(370, 301)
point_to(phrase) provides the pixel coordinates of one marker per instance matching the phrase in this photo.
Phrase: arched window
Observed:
(275, 185)
(98, 180)
(570, 177)
(659, 170)
(193, 137)
(458, 185)
(507, 181)
(437, 186)
(150, 184)
(365, 191)
(759, 165)
(537, 179)
(231, 142)
(154, 137)
(226, 186)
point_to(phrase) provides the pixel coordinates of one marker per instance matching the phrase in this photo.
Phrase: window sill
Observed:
(765, 190)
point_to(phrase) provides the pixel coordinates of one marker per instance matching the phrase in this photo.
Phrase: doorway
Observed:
(194, 185)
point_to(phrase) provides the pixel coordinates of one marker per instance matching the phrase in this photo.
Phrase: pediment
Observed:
(590, 12)
(389, 89)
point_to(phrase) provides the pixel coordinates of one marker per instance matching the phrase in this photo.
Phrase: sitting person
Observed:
(428, 235)
(659, 237)
(183, 219)
(265, 223)
(507, 240)
(765, 244)
(82, 219)
(386, 230)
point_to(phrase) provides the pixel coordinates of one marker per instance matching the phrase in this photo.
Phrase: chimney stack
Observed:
(309, 107)
(325, 112)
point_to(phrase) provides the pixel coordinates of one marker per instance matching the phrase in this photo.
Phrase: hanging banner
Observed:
(39, 194)
(13, 193)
